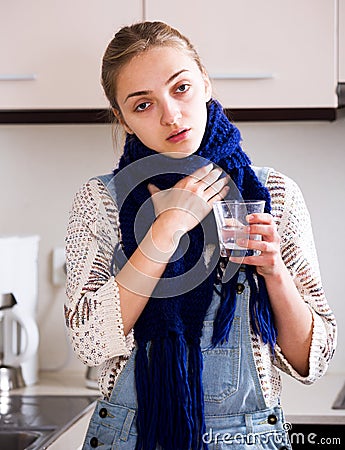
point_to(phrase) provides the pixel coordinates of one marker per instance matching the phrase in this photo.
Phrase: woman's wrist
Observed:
(161, 241)
(167, 232)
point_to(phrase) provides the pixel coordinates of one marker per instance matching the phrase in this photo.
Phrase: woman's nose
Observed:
(170, 113)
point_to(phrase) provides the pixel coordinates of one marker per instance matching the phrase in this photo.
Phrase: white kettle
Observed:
(19, 339)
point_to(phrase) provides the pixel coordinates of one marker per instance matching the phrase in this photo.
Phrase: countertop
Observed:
(302, 404)
(313, 403)
(64, 383)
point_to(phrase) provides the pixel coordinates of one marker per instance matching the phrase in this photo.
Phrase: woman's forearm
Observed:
(140, 275)
(293, 319)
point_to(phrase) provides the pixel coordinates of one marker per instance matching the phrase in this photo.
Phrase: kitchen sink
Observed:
(34, 422)
(21, 439)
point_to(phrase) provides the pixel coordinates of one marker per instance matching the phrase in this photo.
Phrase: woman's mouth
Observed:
(178, 135)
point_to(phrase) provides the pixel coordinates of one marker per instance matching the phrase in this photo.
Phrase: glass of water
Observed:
(232, 225)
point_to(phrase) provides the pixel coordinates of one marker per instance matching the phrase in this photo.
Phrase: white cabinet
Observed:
(262, 54)
(342, 41)
(51, 51)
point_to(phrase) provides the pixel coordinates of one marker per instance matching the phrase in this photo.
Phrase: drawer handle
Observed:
(242, 76)
(19, 77)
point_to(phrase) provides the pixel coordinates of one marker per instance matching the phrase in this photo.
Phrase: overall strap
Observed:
(107, 181)
(262, 173)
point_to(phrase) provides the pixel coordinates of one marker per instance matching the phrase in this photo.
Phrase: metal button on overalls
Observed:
(94, 442)
(103, 413)
(240, 288)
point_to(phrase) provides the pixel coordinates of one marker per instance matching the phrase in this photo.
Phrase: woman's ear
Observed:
(208, 85)
(121, 121)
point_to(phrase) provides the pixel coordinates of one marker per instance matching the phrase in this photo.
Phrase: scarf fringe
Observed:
(260, 308)
(261, 315)
(142, 387)
(195, 366)
(170, 394)
(226, 312)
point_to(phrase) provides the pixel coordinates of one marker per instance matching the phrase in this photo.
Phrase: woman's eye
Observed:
(142, 106)
(183, 88)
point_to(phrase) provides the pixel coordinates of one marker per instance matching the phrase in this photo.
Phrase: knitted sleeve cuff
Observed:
(96, 330)
(317, 364)
(108, 314)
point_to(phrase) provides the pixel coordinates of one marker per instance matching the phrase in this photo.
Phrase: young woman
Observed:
(188, 343)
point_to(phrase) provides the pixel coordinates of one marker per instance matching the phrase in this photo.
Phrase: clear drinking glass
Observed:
(232, 225)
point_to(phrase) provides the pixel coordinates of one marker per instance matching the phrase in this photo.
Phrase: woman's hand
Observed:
(292, 315)
(188, 202)
(269, 262)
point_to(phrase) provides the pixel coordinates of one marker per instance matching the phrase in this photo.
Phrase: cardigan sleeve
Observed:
(300, 257)
(92, 309)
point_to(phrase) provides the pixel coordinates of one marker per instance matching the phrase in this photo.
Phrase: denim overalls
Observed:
(235, 412)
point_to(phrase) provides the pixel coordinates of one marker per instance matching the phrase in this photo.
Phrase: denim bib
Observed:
(236, 415)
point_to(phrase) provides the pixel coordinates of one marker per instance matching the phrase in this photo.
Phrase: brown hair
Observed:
(132, 40)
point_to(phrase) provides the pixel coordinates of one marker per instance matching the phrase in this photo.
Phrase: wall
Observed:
(313, 154)
(42, 166)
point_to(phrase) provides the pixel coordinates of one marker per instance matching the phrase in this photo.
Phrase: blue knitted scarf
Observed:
(168, 364)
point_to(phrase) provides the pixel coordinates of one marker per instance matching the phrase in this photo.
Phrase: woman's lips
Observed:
(179, 135)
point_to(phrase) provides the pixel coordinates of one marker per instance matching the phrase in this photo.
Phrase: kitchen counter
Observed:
(63, 383)
(313, 403)
(302, 404)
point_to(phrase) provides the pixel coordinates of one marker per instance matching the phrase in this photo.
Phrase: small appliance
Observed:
(19, 291)
(18, 342)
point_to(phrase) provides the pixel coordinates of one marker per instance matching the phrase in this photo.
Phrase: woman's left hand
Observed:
(269, 262)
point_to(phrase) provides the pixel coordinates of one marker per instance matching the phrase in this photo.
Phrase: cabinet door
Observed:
(268, 53)
(342, 41)
(51, 51)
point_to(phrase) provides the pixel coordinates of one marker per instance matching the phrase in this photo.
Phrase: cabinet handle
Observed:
(18, 77)
(242, 76)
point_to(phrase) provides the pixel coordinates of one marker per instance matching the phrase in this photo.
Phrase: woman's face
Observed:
(162, 96)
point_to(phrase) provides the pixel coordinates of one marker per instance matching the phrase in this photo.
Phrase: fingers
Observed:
(210, 178)
(217, 196)
(153, 189)
(264, 225)
(206, 183)
(268, 232)
(206, 175)
(267, 249)
(214, 187)
(254, 244)
(263, 218)
(200, 173)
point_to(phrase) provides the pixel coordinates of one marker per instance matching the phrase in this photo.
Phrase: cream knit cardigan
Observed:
(92, 308)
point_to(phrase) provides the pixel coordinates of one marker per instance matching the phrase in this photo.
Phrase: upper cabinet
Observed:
(51, 51)
(342, 41)
(262, 54)
(265, 55)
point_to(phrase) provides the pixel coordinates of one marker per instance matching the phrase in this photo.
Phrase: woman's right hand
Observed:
(186, 204)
